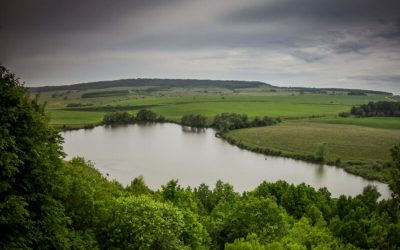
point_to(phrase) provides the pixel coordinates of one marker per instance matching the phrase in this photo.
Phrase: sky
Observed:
(312, 43)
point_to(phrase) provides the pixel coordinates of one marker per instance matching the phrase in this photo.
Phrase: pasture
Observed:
(373, 122)
(284, 104)
(358, 149)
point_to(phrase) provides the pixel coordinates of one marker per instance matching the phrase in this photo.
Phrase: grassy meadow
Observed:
(360, 150)
(175, 104)
(373, 122)
(346, 142)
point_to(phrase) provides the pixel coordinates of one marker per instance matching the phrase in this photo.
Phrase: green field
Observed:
(373, 122)
(352, 145)
(284, 105)
(74, 118)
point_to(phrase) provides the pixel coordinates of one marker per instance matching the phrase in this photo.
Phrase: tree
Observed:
(138, 187)
(31, 214)
(228, 121)
(321, 151)
(87, 197)
(258, 215)
(145, 115)
(118, 118)
(395, 181)
(141, 223)
(194, 120)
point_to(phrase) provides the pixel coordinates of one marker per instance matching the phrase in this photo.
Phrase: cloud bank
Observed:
(316, 43)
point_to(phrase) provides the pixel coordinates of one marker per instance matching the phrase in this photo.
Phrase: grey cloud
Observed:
(33, 27)
(394, 32)
(379, 78)
(320, 11)
(308, 57)
(320, 19)
(349, 47)
(298, 41)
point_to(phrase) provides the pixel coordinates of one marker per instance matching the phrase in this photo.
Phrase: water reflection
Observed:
(188, 129)
(320, 170)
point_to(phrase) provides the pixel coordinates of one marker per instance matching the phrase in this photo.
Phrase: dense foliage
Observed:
(143, 115)
(194, 120)
(118, 118)
(382, 108)
(273, 216)
(46, 203)
(31, 213)
(229, 121)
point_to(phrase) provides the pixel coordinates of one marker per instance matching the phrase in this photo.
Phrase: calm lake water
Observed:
(161, 152)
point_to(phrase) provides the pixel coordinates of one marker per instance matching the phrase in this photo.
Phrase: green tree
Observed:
(87, 197)
(258, 215)
(118, 118)
(141, 223)
(138, 187)
(321, 152)
(145, 115)
(395, 181)
(31, 214)
(194, 120)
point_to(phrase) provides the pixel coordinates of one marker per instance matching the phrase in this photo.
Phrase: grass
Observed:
(373, 122)
(251, 108)
(60, 118)
(173, 108)
(353, 145)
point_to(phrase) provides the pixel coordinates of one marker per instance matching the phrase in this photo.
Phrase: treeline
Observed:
(78, 105)
(221, 122)
(142, 115)
(46, 203)
(349, 91)
(228, 121)
(381, 109)
(105, 93)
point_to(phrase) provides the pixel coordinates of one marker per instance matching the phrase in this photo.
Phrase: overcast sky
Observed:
(317, 43)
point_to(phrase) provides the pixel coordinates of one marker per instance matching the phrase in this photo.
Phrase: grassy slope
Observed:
(345, 142)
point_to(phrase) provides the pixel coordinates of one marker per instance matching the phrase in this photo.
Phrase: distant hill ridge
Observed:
(154, 82)
(167, 83)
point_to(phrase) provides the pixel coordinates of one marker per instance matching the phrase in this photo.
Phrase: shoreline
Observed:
(256, 149)
(306, 158)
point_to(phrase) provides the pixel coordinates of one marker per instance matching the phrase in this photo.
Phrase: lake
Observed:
(161, 152)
